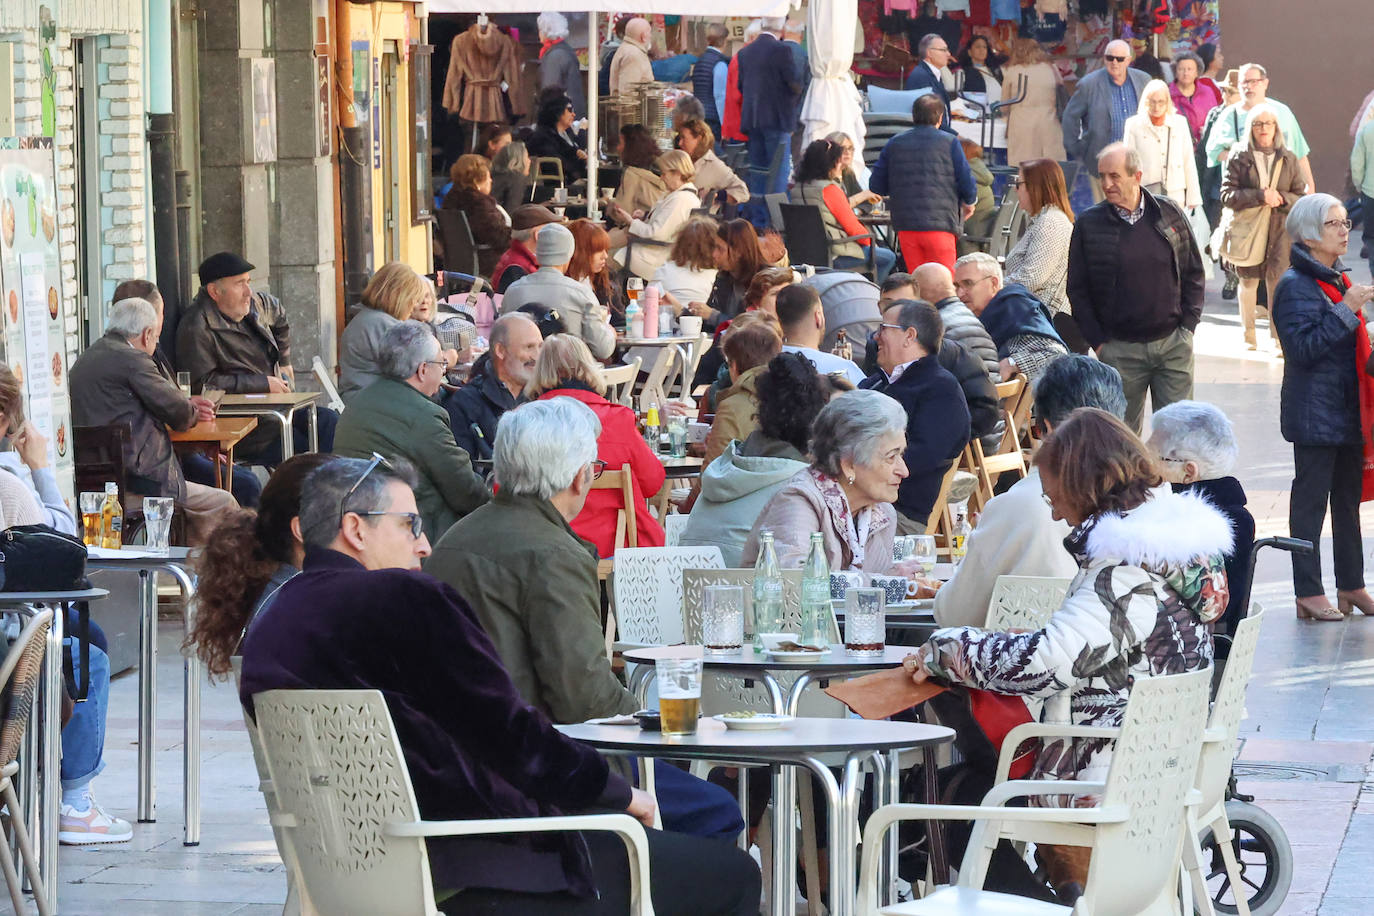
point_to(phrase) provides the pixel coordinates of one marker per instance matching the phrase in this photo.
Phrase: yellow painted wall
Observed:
(377, 24)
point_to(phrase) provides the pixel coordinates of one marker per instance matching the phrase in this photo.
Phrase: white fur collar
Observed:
(1168, 529)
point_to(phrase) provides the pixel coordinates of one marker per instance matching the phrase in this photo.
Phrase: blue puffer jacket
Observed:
(1320, 402)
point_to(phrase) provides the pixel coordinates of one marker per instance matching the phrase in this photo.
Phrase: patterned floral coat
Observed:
(1149, 582)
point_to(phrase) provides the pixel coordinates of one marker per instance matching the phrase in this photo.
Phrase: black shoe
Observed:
(1228, 291)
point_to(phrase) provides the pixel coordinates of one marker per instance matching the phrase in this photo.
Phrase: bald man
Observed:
(631, 63)
(935, 284)
(1097, 113)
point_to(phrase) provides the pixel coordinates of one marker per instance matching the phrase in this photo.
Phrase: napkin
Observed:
(613, 720)
(886, 693)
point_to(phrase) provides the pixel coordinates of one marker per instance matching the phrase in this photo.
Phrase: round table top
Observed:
(135, 556)
(662, 341)
(801, 736)
(8, 599)
(835, 660)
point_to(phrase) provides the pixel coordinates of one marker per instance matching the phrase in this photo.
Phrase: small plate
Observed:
(763, 721)
(795, 655)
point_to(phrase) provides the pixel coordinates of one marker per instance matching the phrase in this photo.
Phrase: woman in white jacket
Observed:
(662, 224)
(1164, 141)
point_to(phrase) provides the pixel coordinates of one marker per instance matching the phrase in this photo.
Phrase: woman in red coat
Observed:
(566, 369)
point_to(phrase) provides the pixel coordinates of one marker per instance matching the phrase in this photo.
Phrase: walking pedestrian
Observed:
(769, 88)
(1097, 113)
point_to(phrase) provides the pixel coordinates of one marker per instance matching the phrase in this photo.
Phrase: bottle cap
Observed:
(651, 418)
(111, 487)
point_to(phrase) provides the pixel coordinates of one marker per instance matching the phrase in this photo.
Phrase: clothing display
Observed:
(480, 61)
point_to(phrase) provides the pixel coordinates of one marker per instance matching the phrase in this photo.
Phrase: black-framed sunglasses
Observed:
(598, 468)
(416, 522)
(1114, 58)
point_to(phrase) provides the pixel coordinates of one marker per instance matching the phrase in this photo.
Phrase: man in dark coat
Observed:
(497, 385)
(935, 54)
(938, 425)
(473, 747)
(1135, 285)
(935, 284)
(770, 86)
(547, 627)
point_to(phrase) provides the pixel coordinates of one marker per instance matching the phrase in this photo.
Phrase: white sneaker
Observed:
(83, 828)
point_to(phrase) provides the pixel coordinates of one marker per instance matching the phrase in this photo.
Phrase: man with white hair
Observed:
(1096, 114)
(116, 381)
(1254, 89)
(558, 66)
(497, 383)
(1197, 450)
(769, 88)
(1135, 284)
(631, 64)
(396, 417)
(1018, 322)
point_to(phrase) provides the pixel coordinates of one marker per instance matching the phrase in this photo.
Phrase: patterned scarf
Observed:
(853, 530)
(1336, 293)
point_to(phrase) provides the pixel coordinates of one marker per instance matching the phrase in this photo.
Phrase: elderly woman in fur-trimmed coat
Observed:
(1152, 576)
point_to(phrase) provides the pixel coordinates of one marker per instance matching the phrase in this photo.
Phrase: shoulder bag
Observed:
(1246, 239)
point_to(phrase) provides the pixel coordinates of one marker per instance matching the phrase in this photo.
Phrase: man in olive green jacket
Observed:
(532, 583)
(396, 415)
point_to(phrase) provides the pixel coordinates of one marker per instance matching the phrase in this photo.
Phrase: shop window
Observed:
(421, 104)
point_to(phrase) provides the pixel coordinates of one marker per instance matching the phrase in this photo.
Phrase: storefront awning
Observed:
(717, 9)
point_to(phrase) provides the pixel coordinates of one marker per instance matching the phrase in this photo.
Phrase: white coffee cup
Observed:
(689, 325)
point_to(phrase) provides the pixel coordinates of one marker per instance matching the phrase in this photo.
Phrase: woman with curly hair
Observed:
(738, 258)
(247, 559)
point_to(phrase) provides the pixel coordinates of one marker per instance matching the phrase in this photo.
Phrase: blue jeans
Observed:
(199, 469)
(694, 806)
(883, 261)
(762, 147)
(1367, 232)
(263, 445)
(83, 737)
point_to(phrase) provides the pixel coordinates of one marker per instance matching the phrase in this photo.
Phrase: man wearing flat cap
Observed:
(239, 342)
(583, 315)
(519, 260)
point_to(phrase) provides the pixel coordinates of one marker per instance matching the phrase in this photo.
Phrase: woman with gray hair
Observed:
(847, 493)
(1318, 313)
(1197, 449)
(558, 66)
(510, 176)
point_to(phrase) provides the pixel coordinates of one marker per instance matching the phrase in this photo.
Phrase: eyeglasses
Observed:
(1115, 58)
(1254, 82)
(598, 468)
(1342, 223)
(435, 362)
(895, 327)
(1018, 181)
(970, 284)
(1046, 497)
(416, 523)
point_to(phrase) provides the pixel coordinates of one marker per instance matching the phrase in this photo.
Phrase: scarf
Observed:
(852, 530)
(547, 43)
(1336, 292)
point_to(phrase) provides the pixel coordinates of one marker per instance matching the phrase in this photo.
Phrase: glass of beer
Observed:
(722, 619)
(90, 517)
(865, 622)
(633, 287)
(679, 694)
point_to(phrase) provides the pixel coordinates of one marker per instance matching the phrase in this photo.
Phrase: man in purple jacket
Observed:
(361, 615)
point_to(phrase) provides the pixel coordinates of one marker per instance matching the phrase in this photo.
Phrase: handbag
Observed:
(1246, 239)
(38, 558)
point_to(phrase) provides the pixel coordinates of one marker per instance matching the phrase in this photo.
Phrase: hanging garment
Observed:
(479, 61)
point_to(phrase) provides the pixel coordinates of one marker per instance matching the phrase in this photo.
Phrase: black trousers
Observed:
(691, 876)
(1321, 475)
(1367, 232)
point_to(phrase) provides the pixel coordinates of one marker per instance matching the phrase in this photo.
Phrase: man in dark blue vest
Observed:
(926, 175)
(709, 75)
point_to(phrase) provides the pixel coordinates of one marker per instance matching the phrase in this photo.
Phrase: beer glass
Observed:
(865, 622)
(722, 619)
(90, 517)
(679, 694)
(157, 513)
(184, 383)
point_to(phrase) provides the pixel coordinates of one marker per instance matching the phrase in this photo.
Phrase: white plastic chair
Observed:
(620, 383)
(347, 804)
(20, 675)
(1136, 831)
(647, 588)
(1025, 602)
(327, 383)
(673, 525)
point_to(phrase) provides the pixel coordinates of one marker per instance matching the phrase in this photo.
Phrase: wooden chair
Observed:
(98, 454)
(20, 675)
(803, 231)
(620, 382)
(626, 532)
(940, 525)
(326, 380)
(657, 384)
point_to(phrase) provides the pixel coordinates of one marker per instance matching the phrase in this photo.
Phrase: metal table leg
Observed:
(784, 890)
(190, 716)
(314, 427)
(147, 695)
(288, 442)
(841, 855)
(45, 839)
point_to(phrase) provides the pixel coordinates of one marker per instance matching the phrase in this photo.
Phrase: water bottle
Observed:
(958, 540)
(650, 298)
(652, 429)
(634, 320)
(815, 596)
(768, 606)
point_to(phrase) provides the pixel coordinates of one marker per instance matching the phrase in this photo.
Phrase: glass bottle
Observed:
(958, 540)
(815, 596)
(842, 347)
(768, 606)
(111, 518)
(652, 429)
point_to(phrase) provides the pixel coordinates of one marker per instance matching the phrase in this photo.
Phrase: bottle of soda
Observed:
(842, 347)
(768, 606)
(815, 596)
(958, 540)
(111, 518)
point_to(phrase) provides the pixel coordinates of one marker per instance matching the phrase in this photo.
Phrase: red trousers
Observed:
(922, 247)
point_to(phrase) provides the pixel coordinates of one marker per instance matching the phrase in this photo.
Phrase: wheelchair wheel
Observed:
(1263, 855)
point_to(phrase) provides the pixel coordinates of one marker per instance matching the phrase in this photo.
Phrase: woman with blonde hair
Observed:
(1164, 141)
(566, 369)
(394, 291)
(1033, 130)
(663, 223)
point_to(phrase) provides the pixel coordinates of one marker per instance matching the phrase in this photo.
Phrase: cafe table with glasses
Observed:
(280, 407)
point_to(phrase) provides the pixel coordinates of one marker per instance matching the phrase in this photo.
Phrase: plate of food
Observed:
(749, 721)
(789, 651)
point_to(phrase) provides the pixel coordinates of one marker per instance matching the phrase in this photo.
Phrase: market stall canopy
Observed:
(709, 8)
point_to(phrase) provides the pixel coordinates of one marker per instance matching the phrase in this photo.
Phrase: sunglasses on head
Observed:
(416, 522)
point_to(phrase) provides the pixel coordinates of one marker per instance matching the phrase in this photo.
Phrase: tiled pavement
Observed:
(1308, 739)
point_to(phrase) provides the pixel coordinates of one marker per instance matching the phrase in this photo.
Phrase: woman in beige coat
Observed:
(1033, 130)
(847, 492)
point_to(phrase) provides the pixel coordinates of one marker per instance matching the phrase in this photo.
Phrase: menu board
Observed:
(34, 342)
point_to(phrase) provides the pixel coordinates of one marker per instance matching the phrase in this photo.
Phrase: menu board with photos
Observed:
(35, 326)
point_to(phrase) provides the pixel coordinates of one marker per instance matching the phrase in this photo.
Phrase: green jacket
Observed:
(395, 420)
(1362, 162)
(532, 583)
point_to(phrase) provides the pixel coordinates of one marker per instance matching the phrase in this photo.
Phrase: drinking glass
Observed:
(679, 694)
(865, 622)
(902, 547)
(677, 435)
(184, 383)
(157, 514)
(90, 517)
(722, 619)
(923, 550)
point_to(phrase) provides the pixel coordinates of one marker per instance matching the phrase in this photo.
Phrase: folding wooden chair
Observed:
(626, 532)
(940, 525)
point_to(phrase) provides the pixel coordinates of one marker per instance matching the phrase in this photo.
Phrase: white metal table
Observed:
(282, 408)
(136, 559)
(685, 347)
(40, 787)
(800, 744)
